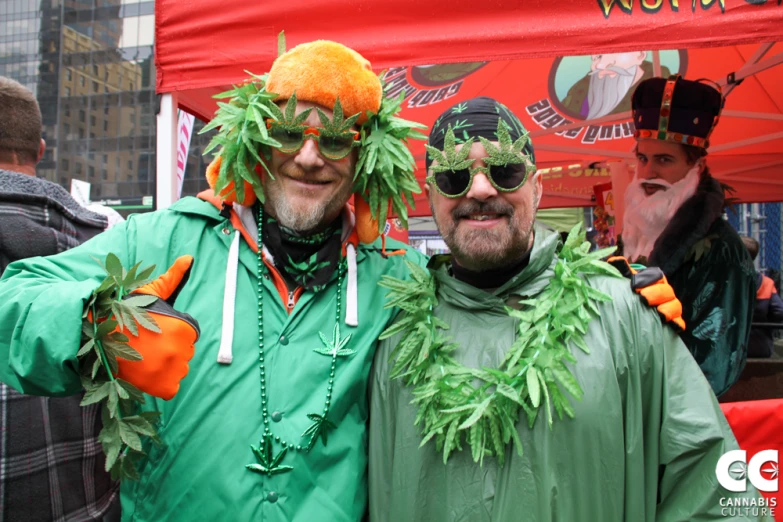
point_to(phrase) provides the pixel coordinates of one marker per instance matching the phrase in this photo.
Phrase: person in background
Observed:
(673, 221)
(51, 463)
(768, 309)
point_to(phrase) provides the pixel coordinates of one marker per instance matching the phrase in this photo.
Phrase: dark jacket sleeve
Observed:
(718, 309)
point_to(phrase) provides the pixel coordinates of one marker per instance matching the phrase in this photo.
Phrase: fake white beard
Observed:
(647, 216)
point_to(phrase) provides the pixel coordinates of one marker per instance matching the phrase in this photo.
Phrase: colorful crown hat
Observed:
(676, 110)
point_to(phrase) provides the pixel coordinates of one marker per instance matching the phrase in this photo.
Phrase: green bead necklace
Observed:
(269, 463)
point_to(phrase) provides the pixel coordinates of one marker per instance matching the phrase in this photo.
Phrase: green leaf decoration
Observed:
(534, 375)
(124, 427)
(508, 152)
(449, 159)
(269, 463)
(385, 169)
(243, 136)
(335, 347)
(337, 126)
(319, 428)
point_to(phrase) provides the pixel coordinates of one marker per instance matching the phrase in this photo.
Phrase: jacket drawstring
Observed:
(352, 290)
(225, 354)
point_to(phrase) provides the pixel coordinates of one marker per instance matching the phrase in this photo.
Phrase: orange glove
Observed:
(655, 290)
(165, 354)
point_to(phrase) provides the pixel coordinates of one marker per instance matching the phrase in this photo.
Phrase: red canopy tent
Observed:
(510, 52)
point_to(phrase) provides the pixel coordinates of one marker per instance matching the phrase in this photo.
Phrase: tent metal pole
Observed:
(744, 72)
(750, 168)
(752, 115)
(166, 171)
(742, 143)
(758, 55)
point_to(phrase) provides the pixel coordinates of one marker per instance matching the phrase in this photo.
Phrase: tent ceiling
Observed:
(510, 52)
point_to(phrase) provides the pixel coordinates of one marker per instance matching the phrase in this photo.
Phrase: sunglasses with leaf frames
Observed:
(332, 146)
(457, 183)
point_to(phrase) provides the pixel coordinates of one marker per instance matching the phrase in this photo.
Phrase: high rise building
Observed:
(90, 64)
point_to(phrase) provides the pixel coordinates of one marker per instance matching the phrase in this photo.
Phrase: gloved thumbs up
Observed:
(165, 354)
(168, 286)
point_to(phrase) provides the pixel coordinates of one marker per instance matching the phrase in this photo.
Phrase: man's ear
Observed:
(538, 181)
(700, 164)
(41, 149)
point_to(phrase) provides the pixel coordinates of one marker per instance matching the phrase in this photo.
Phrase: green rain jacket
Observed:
(643, 444)
(199, 473)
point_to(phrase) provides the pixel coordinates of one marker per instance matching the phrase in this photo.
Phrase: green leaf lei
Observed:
(533, 371)
(385, 168)
(123, 425)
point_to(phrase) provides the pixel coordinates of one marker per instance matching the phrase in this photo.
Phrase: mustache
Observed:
(294, 171)
(615, 68)
(476, 207)
(655, 182)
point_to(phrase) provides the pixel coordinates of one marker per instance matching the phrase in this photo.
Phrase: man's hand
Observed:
(165, 354)
(655, 290)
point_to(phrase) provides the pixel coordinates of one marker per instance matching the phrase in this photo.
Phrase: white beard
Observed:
(606, 93)
(647, 216)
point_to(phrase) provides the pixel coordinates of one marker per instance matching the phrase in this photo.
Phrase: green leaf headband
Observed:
(385, 169)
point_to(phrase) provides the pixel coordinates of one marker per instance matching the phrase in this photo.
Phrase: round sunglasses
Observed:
(457, 183)
(331, 146)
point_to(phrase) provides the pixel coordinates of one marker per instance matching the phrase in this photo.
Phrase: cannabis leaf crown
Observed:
(384, 173)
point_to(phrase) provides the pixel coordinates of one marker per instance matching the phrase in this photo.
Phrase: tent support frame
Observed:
(166, 171)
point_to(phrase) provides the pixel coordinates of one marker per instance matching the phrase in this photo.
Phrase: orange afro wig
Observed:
(321, 71)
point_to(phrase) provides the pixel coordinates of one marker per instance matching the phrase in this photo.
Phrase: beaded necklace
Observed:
(269, 462)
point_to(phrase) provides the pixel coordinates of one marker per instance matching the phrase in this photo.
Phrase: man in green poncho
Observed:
(673, 220)
(525, 381)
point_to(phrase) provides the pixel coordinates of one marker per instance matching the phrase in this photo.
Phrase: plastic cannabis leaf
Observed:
(335, 347)
(449, 159)
(269, 463)
(319, 428)
(103, 342)
(337, 126)
(507, 152)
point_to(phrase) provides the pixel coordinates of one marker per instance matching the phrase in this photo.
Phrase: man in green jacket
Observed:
(270, 422)
(674, 221)
(525, 380)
